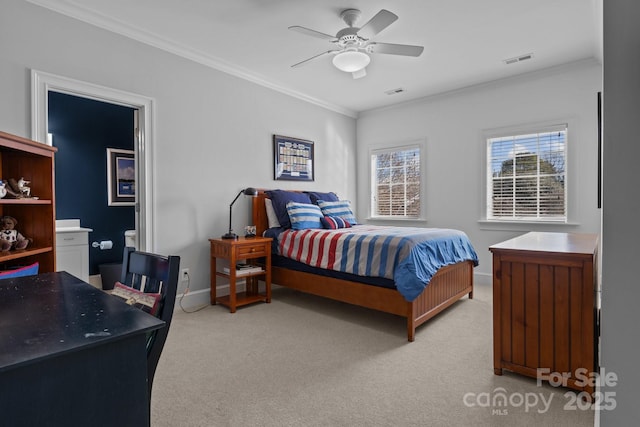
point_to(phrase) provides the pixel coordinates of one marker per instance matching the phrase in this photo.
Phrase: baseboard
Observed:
(201, 297)
(482, 279)
(192, 300)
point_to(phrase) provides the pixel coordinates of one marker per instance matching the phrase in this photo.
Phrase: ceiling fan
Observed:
(353, 44)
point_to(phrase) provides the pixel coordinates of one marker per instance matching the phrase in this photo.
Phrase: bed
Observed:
(449, 283)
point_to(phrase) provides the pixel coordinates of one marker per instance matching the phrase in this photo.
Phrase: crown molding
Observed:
(77, 11)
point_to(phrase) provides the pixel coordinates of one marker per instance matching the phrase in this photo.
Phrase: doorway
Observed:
(86, 133)
(43, 83)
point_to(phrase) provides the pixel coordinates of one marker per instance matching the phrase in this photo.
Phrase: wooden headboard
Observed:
(259, 212)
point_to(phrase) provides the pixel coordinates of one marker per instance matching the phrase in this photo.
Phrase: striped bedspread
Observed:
(409, 256)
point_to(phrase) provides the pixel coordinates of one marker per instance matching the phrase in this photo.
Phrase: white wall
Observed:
(212, 130)
(620, 347)
(452, 126)
(213, 137)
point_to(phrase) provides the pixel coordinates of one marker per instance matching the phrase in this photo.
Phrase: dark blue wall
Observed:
(82, 131)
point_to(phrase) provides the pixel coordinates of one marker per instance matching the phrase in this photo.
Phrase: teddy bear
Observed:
(10, 238)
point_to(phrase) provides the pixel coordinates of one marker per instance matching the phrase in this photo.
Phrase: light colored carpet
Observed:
(308, 361)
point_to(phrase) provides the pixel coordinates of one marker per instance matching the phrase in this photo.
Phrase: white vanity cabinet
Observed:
(72, 248)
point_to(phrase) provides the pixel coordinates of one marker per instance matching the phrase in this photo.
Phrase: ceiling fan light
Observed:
(351, 60)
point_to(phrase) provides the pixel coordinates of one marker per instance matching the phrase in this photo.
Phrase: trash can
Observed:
(130, 238)
(110, 274)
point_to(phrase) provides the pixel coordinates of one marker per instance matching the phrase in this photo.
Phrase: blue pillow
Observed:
(279, 199)
(340, 208)
(328, 197)
(29, 270)
(304, 216)
(334, 222)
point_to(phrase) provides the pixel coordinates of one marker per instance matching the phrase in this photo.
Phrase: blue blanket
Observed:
(425, 259)
(410, 256)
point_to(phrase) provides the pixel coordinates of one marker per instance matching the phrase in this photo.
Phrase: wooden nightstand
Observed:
(234, 251)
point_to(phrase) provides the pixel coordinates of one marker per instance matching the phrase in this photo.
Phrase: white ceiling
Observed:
(466, 41)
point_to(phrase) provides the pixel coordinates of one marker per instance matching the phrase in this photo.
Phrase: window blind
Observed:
(526, 176)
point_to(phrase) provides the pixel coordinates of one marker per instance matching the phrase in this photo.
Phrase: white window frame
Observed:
(514, 132)
(374, 151)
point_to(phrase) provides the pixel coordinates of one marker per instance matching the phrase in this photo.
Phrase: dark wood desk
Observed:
(71, 355)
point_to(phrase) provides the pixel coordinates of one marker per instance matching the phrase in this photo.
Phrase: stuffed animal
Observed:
(10, 238)
(13, 190)
(24, 188)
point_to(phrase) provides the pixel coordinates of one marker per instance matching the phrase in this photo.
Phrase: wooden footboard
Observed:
(447, 286)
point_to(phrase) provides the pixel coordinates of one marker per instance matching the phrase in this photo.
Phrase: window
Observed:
(395, 182)
(526, 176)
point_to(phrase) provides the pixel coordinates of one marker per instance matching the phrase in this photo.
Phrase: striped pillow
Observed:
(279, 199)
(334, 222)
(304, 216)
(340, 208)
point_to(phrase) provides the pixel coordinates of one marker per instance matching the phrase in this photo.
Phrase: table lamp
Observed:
(249, 191)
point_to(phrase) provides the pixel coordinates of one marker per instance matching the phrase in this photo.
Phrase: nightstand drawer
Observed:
(252, 250)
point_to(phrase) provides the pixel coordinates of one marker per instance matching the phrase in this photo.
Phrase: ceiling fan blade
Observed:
(312, 33)
(379, 22)
(395, 49)
(312, 58)
(359, 74)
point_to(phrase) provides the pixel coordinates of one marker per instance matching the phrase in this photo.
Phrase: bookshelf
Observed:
(23, 158)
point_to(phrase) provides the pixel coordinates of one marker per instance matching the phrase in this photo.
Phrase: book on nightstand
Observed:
(242, 269)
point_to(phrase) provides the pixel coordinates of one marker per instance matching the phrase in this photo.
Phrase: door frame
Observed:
(42, 83)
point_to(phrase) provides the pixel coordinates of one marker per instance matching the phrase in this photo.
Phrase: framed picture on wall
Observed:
(292, 159)
(121, 177)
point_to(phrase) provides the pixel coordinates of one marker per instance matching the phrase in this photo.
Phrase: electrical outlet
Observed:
(184, 274)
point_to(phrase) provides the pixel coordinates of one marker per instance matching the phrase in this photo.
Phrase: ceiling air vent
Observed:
(394, 91)
(518, 58)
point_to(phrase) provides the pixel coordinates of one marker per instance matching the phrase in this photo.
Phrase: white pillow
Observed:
(271, 214)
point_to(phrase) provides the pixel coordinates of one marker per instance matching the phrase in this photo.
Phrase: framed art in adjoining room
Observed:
(292, 159)
(121, 177)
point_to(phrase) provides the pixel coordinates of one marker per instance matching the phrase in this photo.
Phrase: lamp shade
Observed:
(250, 191)
(351, 60)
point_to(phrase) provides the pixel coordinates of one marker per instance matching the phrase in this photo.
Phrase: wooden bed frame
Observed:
(449, 284)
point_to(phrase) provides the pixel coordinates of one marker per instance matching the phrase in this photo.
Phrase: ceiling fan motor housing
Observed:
(350, 16)
(348, 37)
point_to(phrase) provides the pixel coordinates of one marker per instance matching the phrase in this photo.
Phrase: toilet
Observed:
(130, 238)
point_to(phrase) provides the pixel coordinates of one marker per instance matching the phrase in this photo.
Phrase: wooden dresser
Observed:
(545, 307)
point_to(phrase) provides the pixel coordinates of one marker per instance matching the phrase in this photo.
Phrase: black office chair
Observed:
(153, 273)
